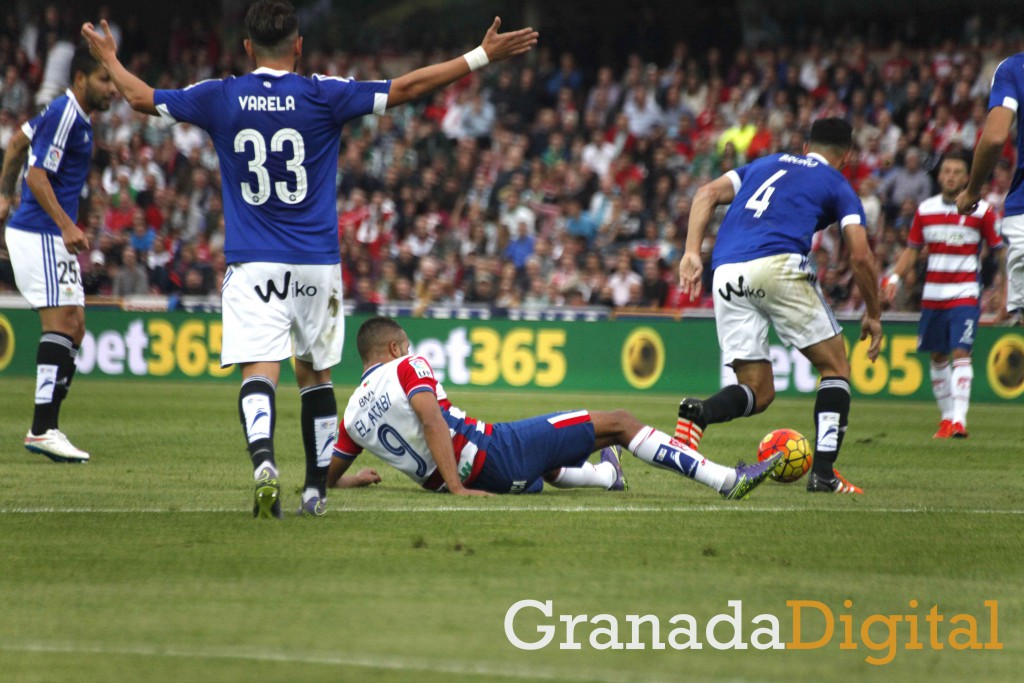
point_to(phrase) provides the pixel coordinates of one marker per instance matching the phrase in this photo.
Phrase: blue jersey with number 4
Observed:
(276, 135)
(781, 201)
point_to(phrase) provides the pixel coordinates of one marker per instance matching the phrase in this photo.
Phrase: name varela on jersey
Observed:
(266, 103)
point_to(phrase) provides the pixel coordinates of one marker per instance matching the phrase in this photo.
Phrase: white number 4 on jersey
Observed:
(760, 199)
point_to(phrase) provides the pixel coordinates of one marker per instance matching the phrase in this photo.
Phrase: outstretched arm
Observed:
(899, 272)
(496, 47)
(709, 196)
(103, 47)
(986, 154)
(337, 479)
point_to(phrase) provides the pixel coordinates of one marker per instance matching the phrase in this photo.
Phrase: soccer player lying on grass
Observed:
(401, 414)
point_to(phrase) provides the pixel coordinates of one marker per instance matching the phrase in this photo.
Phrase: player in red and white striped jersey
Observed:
(949, 302)
(400, 413)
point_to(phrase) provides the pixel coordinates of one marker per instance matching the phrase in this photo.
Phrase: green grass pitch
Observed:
(146, 565)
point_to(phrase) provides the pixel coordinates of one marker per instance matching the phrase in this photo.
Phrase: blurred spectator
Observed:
(520, 247)
(195, 283)
(741, 134)
(14, 94)
(567, 76)
(653, 288)
(512, 213)
(143, 236)
(578, 223)
(131, 278)
(906, 182)
(623, 279)
(592, 160)
(96, 280)
(59, 52)
(642, 112)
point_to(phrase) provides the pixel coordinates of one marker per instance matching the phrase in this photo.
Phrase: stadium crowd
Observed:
(534, 184)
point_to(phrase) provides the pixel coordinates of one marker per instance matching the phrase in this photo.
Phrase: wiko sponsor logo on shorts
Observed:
(535, 625)
(740, 290)
(296, 289)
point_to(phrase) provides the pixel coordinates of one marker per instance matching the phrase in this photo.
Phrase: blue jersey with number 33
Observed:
(276, 134)
(781, 201)
(1008, 91)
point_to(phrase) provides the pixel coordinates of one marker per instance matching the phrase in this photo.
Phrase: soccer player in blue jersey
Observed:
(763, 276)
(277, 134)
(43, 239)
(1003, 101)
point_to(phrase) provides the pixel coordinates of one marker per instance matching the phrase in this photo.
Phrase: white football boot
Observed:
(54, 445)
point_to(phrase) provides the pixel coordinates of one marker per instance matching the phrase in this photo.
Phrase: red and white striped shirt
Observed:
(380, 418)
(954, 243)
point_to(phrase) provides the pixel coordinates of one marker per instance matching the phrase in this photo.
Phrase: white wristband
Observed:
(894, 279)
(477, 58)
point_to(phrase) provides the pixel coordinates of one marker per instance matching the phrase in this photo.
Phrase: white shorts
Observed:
(269, 306)
(46, 274)
(1013, 233)
(776, 290)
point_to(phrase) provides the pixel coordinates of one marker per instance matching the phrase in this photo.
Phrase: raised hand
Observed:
(500, 46)
(102, 46)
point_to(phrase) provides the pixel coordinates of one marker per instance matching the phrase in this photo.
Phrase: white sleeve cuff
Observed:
(165, 114)
(27, 130)
(380, 103)
(734, 178)
(1010, 103)
(852, 219)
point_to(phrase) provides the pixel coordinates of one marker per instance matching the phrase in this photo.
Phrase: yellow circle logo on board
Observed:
(1006, 366)
(6, 343)
(643, 358)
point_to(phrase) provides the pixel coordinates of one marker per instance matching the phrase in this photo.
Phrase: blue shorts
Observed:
(943, 329)
(521, 452)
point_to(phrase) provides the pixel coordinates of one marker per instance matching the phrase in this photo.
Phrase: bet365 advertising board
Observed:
(678, 357)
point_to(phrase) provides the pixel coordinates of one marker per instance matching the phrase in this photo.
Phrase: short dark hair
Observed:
(956, 156)
(271, 24)
(831, 132)
(83, 61)
(375, 332)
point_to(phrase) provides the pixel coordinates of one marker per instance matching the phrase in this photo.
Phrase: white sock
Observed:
(941, 388)
(588, 475)
(659, 449)
(309, 494)
(962, 377)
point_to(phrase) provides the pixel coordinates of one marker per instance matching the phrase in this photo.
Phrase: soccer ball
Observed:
(796, 454)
